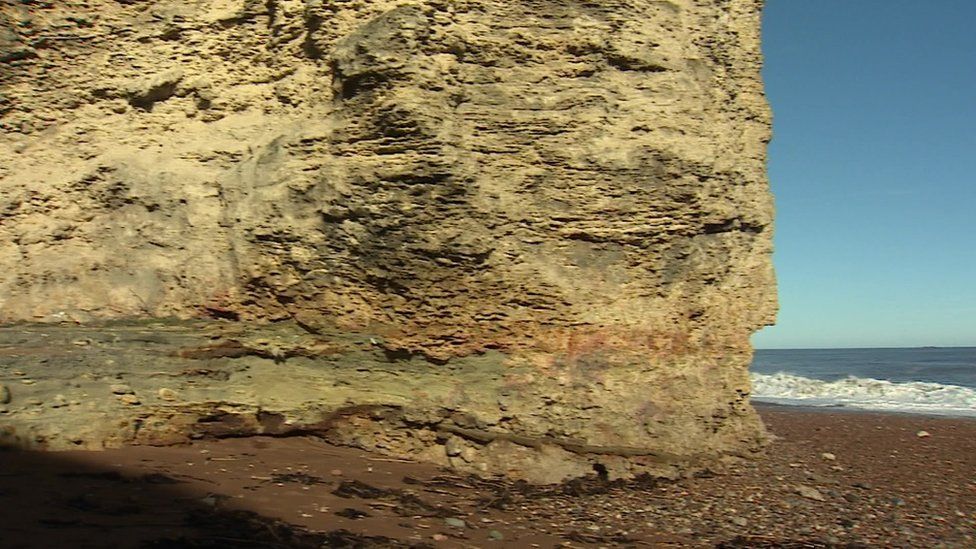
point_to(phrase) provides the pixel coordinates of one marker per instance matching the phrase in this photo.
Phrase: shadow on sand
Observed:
(54, 499)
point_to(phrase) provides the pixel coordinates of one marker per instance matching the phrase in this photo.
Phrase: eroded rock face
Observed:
(563, 204)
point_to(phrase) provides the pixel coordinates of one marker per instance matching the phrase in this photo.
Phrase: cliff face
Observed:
(574, 190)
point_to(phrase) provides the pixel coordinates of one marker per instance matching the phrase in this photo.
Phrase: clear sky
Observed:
(873, 164)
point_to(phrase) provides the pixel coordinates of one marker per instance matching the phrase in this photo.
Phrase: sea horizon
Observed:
(973, 346)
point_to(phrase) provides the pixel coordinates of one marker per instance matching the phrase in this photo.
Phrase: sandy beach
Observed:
(830, 479)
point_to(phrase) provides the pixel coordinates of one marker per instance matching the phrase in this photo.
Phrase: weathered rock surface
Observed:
(548, 222)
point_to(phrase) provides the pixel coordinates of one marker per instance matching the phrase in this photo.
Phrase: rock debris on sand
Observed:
(284, 492)
(810, 492)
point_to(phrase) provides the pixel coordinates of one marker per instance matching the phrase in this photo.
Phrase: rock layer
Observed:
(553, 213)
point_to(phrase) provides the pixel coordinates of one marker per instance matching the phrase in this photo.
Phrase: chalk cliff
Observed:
(526, 236)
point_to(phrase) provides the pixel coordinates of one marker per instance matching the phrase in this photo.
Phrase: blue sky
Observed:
(873, 165)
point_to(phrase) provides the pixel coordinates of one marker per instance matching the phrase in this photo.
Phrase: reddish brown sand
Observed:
(831, 479)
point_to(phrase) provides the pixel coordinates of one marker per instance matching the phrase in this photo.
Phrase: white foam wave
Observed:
(868, 394)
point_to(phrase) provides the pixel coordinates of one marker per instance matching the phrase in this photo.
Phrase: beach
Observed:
(830, 478)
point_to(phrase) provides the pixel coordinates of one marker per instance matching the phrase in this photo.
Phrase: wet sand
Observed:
(830, 479)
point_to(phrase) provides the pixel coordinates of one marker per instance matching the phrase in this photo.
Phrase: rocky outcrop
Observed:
(551, 217)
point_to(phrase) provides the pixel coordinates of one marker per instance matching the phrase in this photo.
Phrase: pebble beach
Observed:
(829, 479)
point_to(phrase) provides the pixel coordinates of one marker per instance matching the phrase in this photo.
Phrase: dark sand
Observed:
(831, 479)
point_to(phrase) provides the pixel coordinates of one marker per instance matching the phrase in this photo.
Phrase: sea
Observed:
(920, 380)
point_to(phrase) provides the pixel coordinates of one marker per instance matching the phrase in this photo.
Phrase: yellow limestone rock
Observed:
(552, 217)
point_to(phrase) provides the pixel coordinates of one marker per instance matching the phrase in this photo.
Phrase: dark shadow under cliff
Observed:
(52, 499)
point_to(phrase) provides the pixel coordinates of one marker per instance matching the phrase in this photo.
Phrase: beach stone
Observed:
(167, 394)
(5, 396)
(59, 401)
(923, 434)
(496, 535)
(820, 479)
(828, 456)
(810, 492)
(455, 522)
(131, 400)
(740, 521)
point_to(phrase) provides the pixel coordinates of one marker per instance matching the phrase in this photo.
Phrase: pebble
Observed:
(120, 389)
(132, 400)
(336, 472)
(496, 535)
(740, 521)
(439, 537)
(4, 394)
(59, 401)
(28, 381)
(455, 522)
(828, 456)
(167, 394)
(819, 479)
(810, 492)
(923, 434)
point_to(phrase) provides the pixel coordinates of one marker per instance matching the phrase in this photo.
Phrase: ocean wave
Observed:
(865, 393)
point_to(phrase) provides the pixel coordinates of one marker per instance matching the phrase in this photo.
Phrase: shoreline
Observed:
(841, 409)
(829, 478)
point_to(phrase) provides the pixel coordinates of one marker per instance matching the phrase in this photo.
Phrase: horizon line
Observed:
(870, 347)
